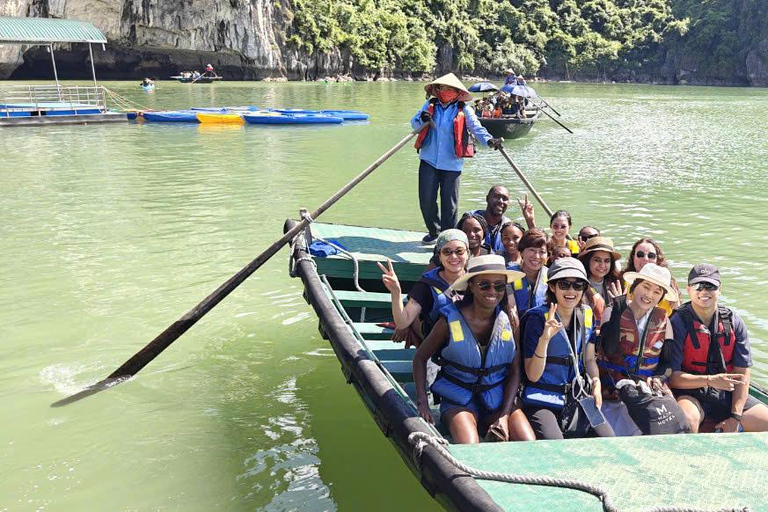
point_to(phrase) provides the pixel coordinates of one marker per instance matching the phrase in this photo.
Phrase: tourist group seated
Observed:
(537, 334)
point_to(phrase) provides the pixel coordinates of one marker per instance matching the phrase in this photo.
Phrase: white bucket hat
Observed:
(451, 81)
(488, 264)
(655, 274)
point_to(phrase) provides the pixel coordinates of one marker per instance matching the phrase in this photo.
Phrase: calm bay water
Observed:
(112, 232)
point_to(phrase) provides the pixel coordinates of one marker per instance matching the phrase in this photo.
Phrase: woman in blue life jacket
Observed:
(562, 394)
(633, 338)
(511, 233)
(480, 370)
(414, 320)
(530, 290)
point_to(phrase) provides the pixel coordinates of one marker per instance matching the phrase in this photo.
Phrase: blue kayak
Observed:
(172, 116)
(224, 110)
(298, 118)
(346, 115)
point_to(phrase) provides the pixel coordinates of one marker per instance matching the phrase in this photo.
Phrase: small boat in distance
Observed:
(184, 79)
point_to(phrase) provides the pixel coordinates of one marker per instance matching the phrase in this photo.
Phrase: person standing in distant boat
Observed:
(209, 72)
(442, 147)
(510, 79)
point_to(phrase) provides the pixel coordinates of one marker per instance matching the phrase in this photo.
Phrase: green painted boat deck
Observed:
(706, 471)
(710, 471)
(370, 245)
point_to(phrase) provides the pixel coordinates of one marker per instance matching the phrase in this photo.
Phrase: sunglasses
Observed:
(641, 254)
(578, 286)
(706, 286)
(459, 251)
(584, 238)
(498, 286)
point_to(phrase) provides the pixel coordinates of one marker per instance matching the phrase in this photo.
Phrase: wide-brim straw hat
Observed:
(600, 243)
(452, 81)
(488, 264)
(655, 274)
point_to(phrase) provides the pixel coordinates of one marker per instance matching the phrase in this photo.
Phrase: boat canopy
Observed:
(45, 31)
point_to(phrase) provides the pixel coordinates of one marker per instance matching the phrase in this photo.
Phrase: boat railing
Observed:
(38, 99)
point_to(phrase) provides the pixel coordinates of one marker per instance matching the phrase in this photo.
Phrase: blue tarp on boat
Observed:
(172, 116)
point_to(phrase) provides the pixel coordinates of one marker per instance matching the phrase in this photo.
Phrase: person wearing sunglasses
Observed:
(442, 146)
(711, 359)
(530, 290)
(633, 337)
(562, 394)
(414, 320)
(480, 370)
(647, 250)
(586, 233)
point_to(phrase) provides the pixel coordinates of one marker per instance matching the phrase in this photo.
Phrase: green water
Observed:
(111, 232)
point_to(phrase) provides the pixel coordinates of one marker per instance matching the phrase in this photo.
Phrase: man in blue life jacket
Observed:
(442, 148)
(496, 203)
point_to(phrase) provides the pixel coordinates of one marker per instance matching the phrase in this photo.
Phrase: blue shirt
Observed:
(493, 236)
(438, 149)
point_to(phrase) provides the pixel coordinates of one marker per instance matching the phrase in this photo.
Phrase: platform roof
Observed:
(47, 30)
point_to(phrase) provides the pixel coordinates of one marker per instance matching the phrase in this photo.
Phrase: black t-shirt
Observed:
(422, 293)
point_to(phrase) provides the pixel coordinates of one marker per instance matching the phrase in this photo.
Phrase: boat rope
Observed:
(124, 103)
(420, 440)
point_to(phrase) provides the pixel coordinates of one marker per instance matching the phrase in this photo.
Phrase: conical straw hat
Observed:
(452, 81)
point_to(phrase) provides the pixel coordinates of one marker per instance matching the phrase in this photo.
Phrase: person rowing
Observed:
(442, 148)
(474, 344)
(414, 320)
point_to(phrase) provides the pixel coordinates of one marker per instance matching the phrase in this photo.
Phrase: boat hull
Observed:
(509, 128)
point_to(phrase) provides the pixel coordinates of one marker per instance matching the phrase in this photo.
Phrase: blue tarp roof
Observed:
(47, 30)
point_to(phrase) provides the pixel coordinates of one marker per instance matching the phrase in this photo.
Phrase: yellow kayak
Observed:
(220, 118)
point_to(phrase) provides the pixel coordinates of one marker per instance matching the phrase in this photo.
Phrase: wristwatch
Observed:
(735, 416)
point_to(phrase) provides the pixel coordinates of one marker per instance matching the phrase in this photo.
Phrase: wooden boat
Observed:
(200, 80)
(702, 470)
(511, 127)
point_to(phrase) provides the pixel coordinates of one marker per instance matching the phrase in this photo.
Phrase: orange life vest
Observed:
(463, 146)
(698, 338)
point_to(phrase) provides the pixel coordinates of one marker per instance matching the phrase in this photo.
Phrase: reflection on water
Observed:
(112, 232)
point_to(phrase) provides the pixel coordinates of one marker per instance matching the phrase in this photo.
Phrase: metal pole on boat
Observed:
(55, 73)
(163, 340)
(93, 67)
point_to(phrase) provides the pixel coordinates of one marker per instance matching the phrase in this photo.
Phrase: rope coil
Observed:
(420, 440)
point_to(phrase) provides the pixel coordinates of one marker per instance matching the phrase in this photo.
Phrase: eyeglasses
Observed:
(459, 251)
(641, 254)
(498, 286)
(706, 286)
(578, 286)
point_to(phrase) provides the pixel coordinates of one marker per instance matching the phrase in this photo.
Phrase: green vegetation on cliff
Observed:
(582, 38)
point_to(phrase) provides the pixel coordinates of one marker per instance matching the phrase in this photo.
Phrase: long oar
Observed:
(180, 326)
(526, 182)
(552, 118)
(550, 106)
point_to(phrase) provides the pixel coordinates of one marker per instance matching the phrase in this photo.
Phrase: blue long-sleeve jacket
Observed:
(437, 149)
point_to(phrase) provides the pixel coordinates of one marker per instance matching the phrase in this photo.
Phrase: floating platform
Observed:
(109, 117)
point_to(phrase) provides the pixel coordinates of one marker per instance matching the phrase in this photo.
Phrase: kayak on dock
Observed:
(638, 473)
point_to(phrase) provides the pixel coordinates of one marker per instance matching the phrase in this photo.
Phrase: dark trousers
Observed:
(546, 424)
(447, 182)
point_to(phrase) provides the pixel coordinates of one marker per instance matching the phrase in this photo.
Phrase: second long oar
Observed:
(143, 357)
(552, 118)
(526, 182)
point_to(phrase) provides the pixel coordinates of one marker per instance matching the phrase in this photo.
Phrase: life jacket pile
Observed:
(465, 372)
(463, 146)
(557, 379)
(626, 352)
(698, 339)
(525, 298)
